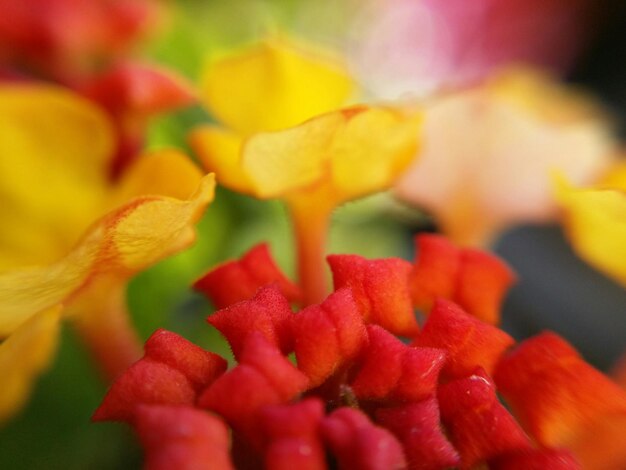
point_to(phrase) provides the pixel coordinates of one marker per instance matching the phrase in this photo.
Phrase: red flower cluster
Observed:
(358, 397)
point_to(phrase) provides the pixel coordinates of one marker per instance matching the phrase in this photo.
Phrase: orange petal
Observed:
(556, 395)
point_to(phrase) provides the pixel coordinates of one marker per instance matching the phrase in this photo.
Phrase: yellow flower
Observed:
(272, 85)
(286, 139)
(595, 221)
(69, 236)
(489, 152)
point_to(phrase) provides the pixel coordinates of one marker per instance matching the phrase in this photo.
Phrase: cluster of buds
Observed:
(356, 382)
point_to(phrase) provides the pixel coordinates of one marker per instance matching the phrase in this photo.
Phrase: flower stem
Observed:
(310, 222)
(102, 322)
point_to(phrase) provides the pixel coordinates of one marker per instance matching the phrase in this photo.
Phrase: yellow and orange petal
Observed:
(120, 244)
(275, 84)
(343, 154)
(23, 356)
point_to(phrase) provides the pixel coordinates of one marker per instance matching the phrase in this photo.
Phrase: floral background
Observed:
(556, 289)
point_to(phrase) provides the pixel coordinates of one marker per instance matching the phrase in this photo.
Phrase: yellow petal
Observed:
(595, 220)
(351, 152)
(165, 172)
(120, 244)
(55, 149)
(273, 85)
(219, 152)
(23, 356)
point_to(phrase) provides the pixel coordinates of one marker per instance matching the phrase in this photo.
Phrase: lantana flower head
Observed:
(357, 396)
(490, 151)
(70, 237)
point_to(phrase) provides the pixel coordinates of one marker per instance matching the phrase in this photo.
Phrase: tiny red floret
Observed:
(182, 438)
(267, 313)
(479, 426)
(328, 336)
(476, 280)
(380, 288)
(389, 370)
(469, 342)
(263, 377)
(238, 280)
(418, 428)
(358, 444)
(293, 436)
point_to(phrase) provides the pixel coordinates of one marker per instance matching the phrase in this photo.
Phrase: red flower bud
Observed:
(239, 280)
(267, 313)
(172, 371)
(328, 336)
(389, 370)
(358, 444)
(179, 437)
(474, 279)
(293, 437)
(201, 367)
(417, 427)
(468, 341)
(263, 377)
(380, 288)
(145, 382)
(479, 426)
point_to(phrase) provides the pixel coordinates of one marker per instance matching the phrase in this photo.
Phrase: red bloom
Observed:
(360, 398)
(358, 444)
(418, 428)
